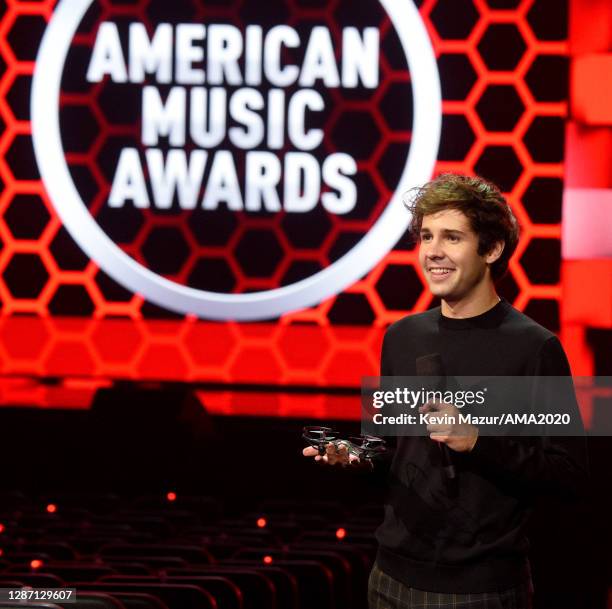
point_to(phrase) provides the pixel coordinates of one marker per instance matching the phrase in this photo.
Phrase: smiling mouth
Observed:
(440, 271)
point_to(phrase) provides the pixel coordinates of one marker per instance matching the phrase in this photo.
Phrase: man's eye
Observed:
(425, 237)
(453, 238)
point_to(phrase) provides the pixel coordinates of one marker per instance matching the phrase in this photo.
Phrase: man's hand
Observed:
(444, 427)
(334, 454)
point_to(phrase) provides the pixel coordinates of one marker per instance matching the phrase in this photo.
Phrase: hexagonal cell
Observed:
(396, 106)
(110, 289)
(314, 346)
(108, 156)
(350, 123)
(543, 200)
(259, 253)
(122, 225)
(25, 337)
(20, 158)
(545, 139)
(77, 62)
(370, 13)
(160, 10)
(162, 361)
(298, 270)
(392, 163)
(209, 344)
(454, 19)
(368, 197)
(311, 3)
(391, 50)
(542, 261)
(457, 76)
(548, 78)
(307, 231)
(18, 97)
(150, 310)
(503, 4)
(165, 250)
(91, 19)
(212, 227)
(117, 340)
(507, 287)
(500, 108)
(399, 287)
(406, 242)
(501, 46)
(69, 356)
(457, 138)
(25, 35)
(26, 216)
(25, 276)
(343, 243)
(275, 12)
(125, 113)
(500, 165)
(545, 311)
(256, 364)
(548, 19)
(71, 300)
(80, 128)
(351, 309)
(212, 274)
(85, 182)
(68, 255)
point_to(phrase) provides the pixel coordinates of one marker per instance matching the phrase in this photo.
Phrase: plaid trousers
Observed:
(384, 592)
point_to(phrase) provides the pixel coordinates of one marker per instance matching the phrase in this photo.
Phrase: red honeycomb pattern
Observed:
(503, 66)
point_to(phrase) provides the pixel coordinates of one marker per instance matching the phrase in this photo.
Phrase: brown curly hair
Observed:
(484, 205)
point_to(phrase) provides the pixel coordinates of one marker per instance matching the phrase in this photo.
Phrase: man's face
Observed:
(448, 255)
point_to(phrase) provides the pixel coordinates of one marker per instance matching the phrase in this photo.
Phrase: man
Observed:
(465, 548)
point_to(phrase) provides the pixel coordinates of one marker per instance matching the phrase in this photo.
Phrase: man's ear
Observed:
(495, 252)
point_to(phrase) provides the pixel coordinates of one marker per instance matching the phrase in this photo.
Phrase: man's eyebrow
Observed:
(453, 231)
(446, 231)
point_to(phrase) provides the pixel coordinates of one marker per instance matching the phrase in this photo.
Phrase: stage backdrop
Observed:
(233, 175)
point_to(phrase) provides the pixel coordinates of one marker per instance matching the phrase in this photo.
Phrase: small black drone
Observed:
(364, 447)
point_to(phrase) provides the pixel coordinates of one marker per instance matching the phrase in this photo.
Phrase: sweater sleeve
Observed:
(556, 465)
(381, 464)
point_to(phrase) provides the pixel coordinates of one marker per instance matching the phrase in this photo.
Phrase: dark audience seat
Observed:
(153, 562)
(75, 571)
(257, 589)
(175, 596)
(94, 600)
(140, 600)
(225, 592)
(38, 580)
(189, 553)
(284, 582)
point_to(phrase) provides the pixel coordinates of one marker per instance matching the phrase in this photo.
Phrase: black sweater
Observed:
(471, 539)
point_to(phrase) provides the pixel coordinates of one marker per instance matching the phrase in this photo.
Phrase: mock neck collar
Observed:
(489, 319)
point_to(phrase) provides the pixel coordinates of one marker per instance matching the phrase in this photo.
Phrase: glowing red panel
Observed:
(591, 91)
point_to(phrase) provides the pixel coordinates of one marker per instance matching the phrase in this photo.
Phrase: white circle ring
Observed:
(379, 240)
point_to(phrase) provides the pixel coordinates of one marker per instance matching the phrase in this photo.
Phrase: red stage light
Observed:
(341, 533)
(267, 560)
(52, 508)
(261, 522)
(171, 496)
(1, 551)
(36, 564)
(2, 528)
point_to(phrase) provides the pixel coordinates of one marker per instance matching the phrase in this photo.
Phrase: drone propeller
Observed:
(319, 437)
(366, 447)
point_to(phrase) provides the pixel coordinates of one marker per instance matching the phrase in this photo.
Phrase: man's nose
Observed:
(434, 249)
